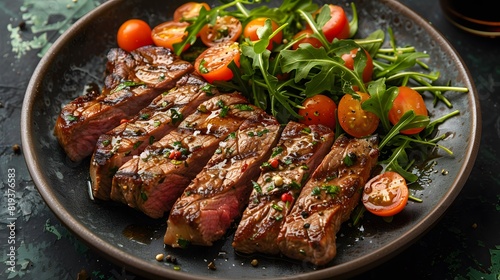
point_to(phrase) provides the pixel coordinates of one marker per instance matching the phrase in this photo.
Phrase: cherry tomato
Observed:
(169, 33)
(175, 155)
(367, 71)
(225, 29)
(250, 31)
(133, 34)
(353, 119)
(189, 11)
(213, 63)
(315, 42)
(338, 25)
(385, 194)
(318, 109)
(407, 99)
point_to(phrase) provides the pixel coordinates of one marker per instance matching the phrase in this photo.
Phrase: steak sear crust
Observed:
(219, 193)
(133, 80)
(327, 200)
(299, 151)
(131, 137)
(152, 181)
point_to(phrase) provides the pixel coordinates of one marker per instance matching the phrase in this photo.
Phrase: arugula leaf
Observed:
(408, 120)
(380, 101)
(268, 81)
(303, 60)
(393, 162)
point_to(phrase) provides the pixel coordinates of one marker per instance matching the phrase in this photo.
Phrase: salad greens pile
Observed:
(310, 71)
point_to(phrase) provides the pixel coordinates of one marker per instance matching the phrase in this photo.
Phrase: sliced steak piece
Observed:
(219, 193)
(130, 138)
(300, 150)
(135, 80)
(327, 200)
(153, 181)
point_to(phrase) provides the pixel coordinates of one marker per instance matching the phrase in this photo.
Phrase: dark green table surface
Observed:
(465, 244)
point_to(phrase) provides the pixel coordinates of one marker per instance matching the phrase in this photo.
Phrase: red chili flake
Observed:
(244, 167)
(287, 197)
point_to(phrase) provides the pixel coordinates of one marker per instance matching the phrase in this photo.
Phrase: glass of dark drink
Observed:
(480, 17)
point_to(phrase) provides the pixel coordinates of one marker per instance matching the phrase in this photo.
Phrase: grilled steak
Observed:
(327, 200)
(130, 138)
(219, 193)
(153, 181)
(299, 151)
(134, 80)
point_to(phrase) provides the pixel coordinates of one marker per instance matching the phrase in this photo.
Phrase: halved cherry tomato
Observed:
(318, 109)
(338, 25)
(407, 99)
(213, 63)
(385, 194)
(169, 33)
(353, 119)
(225, 29)
(189, 11)
(250, 31)
(367, 71)
(308, 39)
(133, 34)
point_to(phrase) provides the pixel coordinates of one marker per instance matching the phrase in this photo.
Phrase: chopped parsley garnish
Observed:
(208, 89)
(256, 187)
(262, 132)
(176, 116)
(71, 118)
(106, 142)
(243, 107)
(126, 84)
(183, 243)
(137, 144)
(316, 191)
(224, 111)
(276, 207)
(350, 159)
(276, 151)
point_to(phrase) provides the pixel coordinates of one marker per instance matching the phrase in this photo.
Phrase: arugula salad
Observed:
(303, 61)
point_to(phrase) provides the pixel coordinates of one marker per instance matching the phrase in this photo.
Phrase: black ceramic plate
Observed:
(130, 239)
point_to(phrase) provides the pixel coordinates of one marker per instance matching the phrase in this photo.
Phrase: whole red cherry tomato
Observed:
(133, 34)
(349, 63)
(318, 109)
